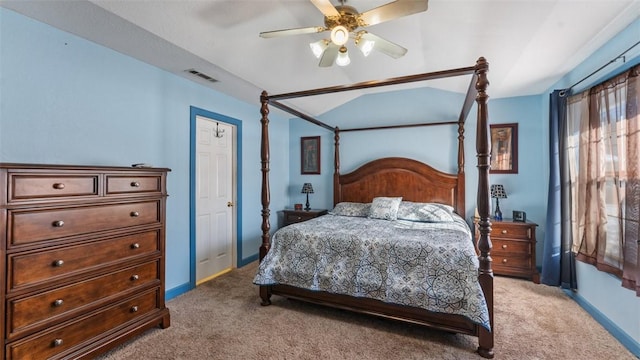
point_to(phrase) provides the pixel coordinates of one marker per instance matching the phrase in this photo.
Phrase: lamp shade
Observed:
(319, 47)
(307, 188)
(497, 192)
(343, 57)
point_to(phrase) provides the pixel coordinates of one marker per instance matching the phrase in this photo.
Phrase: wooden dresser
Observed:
(82, 258)
(514, 249)
(296, 216)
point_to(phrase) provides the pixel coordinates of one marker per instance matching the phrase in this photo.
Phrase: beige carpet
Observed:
(223, 319)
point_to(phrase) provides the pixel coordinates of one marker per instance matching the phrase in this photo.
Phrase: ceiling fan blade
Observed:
(326, 8)
(329, 55)
(287, 32)
(393, 10)
(385, 46)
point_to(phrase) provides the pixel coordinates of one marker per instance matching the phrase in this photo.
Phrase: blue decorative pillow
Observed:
(351, 209)
(425, 212)
(385, 208)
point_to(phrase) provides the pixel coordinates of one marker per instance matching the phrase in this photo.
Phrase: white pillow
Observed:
(385, 208)
(425, 212)
(351, 209)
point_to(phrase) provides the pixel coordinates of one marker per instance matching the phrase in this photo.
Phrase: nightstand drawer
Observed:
(501, 246)
(511, 231)
(512, 264)
(296, 216)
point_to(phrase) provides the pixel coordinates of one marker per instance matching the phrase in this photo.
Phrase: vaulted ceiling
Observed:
(530, 44)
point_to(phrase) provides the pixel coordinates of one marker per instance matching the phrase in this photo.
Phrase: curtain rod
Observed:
(603, 66)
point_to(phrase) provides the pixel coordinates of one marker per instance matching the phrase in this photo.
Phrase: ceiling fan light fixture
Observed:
(343, 57)
(339, 35)
(319, 47)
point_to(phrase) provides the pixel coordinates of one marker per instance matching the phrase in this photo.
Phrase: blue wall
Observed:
(436, 145)
(65, 100)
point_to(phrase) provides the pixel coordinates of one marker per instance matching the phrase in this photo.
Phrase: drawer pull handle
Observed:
(58, 303)
(504, 231)
(58, 263)
(135, 246)
(134, 309)
(134, 214)
(135, 184)
(135, 277)
(58, 186)
(504, 246)
(504, 261)
(57, 342)
(58, 223)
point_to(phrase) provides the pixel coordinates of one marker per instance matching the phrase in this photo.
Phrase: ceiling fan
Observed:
(345, 22)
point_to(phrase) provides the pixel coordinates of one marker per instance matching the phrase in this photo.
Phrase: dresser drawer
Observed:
(117, 184)
(33, 187)
(37, 311)
(31, 268)
(510, 231)
(54, 342)
(37, 225)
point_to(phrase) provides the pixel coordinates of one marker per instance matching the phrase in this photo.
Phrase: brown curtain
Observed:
(604, 161)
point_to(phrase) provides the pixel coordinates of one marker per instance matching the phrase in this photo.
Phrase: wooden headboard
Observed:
(395, 176)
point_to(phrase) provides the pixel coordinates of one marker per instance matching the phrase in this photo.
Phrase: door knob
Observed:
(229, 204)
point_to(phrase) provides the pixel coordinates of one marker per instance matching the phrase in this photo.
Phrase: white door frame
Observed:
(237, 159)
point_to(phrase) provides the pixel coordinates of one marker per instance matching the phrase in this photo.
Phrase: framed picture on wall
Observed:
(504, 148)
(310, 155)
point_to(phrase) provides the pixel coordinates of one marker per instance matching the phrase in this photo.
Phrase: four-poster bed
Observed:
(412, 181)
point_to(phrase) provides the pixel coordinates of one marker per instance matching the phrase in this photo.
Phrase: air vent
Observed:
(201, 75)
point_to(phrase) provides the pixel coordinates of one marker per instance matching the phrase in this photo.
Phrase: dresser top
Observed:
(75, 167)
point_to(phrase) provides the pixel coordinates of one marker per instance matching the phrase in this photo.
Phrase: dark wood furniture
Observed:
(296, 216)
(514, 249)
(83, 254)
(400, 177)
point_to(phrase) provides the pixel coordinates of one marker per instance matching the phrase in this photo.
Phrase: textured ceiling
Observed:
(530, 44)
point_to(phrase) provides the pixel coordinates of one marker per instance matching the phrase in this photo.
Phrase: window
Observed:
(602, 149)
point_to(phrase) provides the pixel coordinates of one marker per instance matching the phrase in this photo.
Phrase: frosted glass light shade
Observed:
(343, 57)
(339, 35)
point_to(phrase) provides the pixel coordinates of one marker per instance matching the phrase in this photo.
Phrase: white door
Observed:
(214, 198)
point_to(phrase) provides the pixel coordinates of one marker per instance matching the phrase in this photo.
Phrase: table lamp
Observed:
(307, 188)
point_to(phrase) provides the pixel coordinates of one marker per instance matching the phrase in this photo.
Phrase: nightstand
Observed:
(296, 216)
(514, 249)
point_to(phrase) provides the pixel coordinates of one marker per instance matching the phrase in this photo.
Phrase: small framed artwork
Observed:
(504, 148)
(310, 155)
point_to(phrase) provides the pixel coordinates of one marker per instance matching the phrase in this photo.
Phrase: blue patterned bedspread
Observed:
(428, 265)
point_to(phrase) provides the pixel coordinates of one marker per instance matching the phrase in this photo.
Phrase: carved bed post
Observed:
(265, 291)
(336, 166)
(483, 149)
(461, 177)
